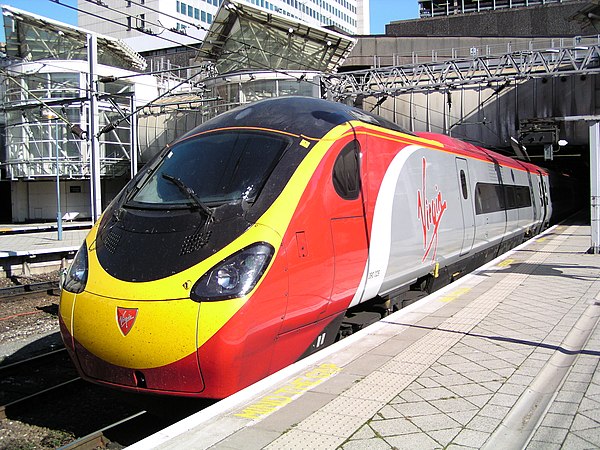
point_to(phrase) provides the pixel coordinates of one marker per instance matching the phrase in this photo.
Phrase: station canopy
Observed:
(244, 37)
(32, 38)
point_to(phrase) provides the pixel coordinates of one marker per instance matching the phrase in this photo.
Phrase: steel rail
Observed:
(21, 401)
(4, 368)
(97, 438)
(30, 288)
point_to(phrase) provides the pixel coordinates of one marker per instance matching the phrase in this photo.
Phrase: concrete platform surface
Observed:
(12, 228)
(506, 357)
(40, 242)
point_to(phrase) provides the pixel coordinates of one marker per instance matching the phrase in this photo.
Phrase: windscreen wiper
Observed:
(189, 193)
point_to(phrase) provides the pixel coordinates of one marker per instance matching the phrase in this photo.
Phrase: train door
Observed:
(327, 249)
(348, 226)
(532, 194)
(466, 204)
(543, 198)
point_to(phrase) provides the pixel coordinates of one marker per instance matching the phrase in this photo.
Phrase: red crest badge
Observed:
(126, 318)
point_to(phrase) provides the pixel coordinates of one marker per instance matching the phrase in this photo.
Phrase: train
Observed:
(272, 230)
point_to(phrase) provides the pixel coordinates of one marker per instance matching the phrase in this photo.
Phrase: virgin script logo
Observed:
(429, 213)
(126, 318)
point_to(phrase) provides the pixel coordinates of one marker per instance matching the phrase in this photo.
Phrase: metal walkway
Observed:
(466, 72)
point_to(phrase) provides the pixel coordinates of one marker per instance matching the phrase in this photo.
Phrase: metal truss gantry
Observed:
(464, 72)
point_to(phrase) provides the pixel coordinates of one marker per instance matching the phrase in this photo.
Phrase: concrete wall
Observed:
(546, 20)
(35, 201)
(388, 50)
(490, 116)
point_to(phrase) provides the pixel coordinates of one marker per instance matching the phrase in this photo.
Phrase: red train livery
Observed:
(243, 246)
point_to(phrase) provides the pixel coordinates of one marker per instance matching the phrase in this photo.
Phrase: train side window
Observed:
(509, 195)
(491, 197)
(523, 196)
(346, 172)
(463, 184)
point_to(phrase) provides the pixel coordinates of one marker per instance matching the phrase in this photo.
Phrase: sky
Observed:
(386, 11)
(382, 11)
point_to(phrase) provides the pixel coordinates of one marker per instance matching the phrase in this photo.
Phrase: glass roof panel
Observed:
(34, 38)
(245, 37)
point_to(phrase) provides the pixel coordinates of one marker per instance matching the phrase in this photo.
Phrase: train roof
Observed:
(306, 116)
(314, 118)
(468, 149)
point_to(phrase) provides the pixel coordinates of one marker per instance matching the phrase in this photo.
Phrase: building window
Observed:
(183, 8)
(196, 14)
(129, 22)
(190, 11)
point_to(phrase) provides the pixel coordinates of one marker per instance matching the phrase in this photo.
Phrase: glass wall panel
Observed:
(303, 88)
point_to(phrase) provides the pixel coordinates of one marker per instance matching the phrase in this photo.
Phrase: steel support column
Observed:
(595, 185)
(94, 125)
(133, 157)
(57, 124)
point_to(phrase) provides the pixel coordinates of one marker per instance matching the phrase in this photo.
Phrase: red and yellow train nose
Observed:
(148, 338)
(135, 343)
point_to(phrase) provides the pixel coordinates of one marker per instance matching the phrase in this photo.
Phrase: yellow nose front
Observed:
(135, 334)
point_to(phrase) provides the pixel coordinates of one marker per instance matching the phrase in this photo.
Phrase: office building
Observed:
(148, 25)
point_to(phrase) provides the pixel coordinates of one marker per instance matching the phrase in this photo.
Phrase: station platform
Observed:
(42, 227)
(39, 242)
(504, 358)
(35, 248)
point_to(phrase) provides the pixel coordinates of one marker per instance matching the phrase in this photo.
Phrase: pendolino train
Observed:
(240, 248)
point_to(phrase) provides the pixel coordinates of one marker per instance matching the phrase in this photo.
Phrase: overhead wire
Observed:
(195, 49)
(144, 6)
(245, 44)
(179, 19)
(169, 40)
(58, 2)
(112, 125)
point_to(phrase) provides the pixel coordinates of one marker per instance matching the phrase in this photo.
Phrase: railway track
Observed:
(46, 391)
(123, 432)
(145, 417)
(26, 380)
(99, 438)
(51, 287)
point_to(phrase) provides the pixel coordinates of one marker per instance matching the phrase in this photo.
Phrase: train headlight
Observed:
(77, 274)
(235, 276)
